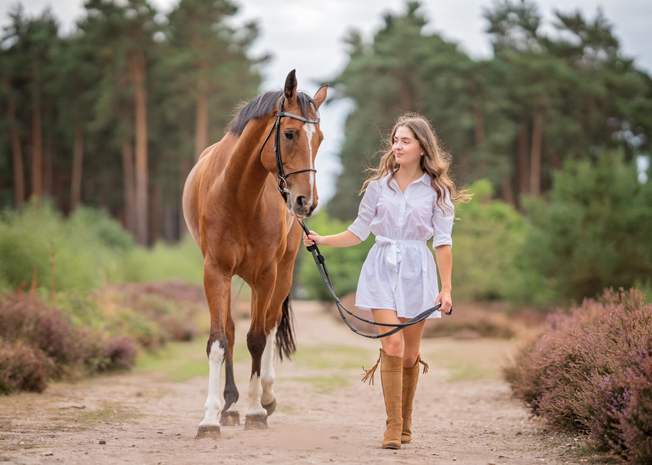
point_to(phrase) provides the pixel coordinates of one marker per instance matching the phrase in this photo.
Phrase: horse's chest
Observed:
(265, 245)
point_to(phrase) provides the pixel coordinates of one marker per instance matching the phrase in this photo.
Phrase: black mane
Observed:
(263, 105)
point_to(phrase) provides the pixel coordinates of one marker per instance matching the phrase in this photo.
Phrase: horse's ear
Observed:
(291, 86)
(320, 95)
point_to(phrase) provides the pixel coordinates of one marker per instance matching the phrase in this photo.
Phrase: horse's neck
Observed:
(244, 174)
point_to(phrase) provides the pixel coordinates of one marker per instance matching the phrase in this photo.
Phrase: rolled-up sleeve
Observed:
(366, 211)
(442, 221)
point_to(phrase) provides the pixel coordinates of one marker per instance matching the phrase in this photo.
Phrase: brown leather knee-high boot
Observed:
(410, 380)
(391, 375)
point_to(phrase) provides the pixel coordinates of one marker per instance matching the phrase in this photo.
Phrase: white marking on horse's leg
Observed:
(309, 129)
(267, 374)
(255, 392)
(232, 408)
(213, 406)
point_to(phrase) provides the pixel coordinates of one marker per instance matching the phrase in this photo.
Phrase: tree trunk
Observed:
(184, 170)
(201, 118)
(129, 187)
(535, 154)
(140, 100)
(17, 153)
(508, 190)
(37, 137)
(523, 159)
(77, 158)
(47, 166)
(479, 132)
(155, 213)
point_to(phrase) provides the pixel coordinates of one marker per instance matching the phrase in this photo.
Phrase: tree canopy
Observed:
(513, 118)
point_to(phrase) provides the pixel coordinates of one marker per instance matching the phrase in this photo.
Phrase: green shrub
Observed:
(80, 251)
(85, 251)
(163, 262)
(595, 230)
(487, 241)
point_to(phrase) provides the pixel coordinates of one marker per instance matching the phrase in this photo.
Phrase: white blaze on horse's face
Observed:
(309, 129)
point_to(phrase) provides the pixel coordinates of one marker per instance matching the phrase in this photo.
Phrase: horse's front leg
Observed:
(262, 291)
(230, 415)
(278, 325)
(217, 286)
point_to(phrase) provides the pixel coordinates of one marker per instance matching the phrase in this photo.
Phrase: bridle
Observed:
(280, 171)
(316, 254)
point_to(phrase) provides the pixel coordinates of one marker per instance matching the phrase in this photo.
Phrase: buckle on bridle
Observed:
(283, 186)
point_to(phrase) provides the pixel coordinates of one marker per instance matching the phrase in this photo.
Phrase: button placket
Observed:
(401, 216)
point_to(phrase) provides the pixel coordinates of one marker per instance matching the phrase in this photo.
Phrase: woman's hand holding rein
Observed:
(343, 239)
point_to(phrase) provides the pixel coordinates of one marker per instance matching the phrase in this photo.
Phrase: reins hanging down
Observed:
(316, 254)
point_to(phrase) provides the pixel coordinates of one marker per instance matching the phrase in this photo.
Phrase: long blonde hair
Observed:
(435, 161)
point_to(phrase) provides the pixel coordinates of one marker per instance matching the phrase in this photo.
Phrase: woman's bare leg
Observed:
(412, 342)
(392, 345)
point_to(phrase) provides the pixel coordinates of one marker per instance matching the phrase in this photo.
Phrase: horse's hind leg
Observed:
(230, 414)
(218, 293)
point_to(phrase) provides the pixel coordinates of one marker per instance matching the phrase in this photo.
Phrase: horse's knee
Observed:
(216, 348)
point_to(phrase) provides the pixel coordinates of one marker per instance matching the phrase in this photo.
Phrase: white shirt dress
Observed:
(400, 272)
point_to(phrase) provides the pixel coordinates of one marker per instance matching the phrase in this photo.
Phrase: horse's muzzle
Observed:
(302, 207)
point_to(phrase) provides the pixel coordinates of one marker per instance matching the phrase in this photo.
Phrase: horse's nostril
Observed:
(301, 201)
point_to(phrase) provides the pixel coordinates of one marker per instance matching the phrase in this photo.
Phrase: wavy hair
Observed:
(435, 161)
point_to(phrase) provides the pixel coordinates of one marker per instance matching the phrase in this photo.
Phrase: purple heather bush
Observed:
(22, 368)
(591, 371)
(38, 343)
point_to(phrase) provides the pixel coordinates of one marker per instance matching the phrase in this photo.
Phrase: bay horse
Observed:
(234, 212)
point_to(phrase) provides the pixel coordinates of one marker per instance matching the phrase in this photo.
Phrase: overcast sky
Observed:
(307, 36)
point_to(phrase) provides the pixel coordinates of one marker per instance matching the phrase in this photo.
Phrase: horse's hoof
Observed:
(255, 422)
(230, 419)
(208, 432)
(270, 407)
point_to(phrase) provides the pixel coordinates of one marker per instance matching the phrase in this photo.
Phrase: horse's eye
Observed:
(289, 135)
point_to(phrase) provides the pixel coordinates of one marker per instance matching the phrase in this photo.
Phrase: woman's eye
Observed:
(289, 135)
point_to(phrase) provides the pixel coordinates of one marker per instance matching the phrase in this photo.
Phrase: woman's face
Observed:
(406, 147)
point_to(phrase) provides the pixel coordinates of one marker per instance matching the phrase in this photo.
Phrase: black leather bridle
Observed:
(313, 249)
(280, 171)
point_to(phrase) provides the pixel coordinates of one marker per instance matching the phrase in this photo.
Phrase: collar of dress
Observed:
(424, 179)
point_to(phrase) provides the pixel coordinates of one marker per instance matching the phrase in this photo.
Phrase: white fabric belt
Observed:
(396, 247)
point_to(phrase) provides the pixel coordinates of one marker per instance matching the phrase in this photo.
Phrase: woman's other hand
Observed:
(312, 239)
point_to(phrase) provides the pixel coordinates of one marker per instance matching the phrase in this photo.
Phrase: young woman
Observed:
(408, 200)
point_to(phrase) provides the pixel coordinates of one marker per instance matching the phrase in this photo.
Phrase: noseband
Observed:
(280, 172)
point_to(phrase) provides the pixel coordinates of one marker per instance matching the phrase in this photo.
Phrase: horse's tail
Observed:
(285, 344)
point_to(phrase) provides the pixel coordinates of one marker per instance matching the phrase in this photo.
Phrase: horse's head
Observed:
(298, 143)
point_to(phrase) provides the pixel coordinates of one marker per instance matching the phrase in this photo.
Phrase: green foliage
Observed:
(511, 119)
(180, 261)
(595, 232)
(80, 251)
(85, 251)
(487, 239)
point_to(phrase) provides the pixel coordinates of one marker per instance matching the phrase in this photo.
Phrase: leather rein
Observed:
(313, 249)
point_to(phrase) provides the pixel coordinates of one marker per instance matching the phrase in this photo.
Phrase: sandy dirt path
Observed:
(463, 411)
